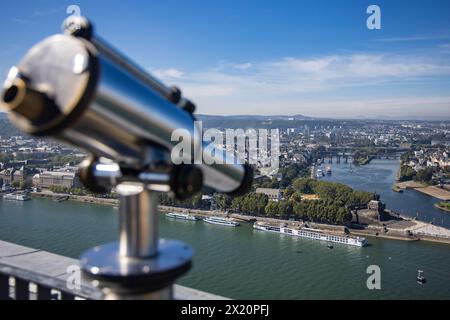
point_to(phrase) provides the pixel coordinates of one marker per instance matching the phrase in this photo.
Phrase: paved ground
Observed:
(431, 230)
(432, 191)
(436, 192)
(402, 225)
(409, 184)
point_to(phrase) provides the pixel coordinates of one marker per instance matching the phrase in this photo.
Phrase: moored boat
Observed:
(61, 199)
(319, 173)
(221, 221)
(181, 216)
(17, 196)
(312, 234)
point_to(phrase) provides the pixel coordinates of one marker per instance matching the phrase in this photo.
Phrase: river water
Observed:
(244, 263)
(379, 177)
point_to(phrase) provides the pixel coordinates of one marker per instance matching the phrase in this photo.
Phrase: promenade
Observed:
(427, 229)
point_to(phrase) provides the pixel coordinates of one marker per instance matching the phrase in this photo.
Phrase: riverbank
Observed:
(404, 230)
(432, 191)
(374, 234)
(444, 206)
(394, 231)
(76, 198)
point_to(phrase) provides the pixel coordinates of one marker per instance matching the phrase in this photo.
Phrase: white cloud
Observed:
(169, 73)
(445, 47)
(426, 107)
(49, 11)
(243, 66)
(286, 85)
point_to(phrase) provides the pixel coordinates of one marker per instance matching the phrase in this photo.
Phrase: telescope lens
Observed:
(14, 94)
(10, 94)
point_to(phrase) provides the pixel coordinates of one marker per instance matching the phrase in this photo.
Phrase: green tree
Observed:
(406, 173)
(424, 175)
(296, 197)
(15, 184)
(222, 200)
(304, 186)
(196, 200)
(271, 209)
(285, 209)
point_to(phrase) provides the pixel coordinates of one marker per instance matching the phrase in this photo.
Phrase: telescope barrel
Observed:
(84, 92)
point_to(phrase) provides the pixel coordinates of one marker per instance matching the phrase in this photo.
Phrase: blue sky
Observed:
(314, 58)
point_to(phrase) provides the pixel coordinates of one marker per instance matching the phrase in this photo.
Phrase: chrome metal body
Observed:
(96, 99)
(110, 175)
(139, 265)
(138, 209)
(126, 103)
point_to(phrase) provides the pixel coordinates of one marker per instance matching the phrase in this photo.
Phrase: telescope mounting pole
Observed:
(139, 265)
(138, 229)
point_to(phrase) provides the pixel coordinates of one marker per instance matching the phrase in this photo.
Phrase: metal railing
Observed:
(33, 274)
(21, 284)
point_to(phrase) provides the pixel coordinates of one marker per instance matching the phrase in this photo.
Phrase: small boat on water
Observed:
(221, 221)
(330, 246)
(181, 216)
(61, 199)
(319, 173)
(17, 196)
(420, 278)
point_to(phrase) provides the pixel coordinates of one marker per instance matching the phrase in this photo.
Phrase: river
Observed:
(243, 263)
(379, 177)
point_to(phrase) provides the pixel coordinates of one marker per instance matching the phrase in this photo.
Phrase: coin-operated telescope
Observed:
(76, 88)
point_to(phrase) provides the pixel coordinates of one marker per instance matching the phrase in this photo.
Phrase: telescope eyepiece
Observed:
(32, 104)
(10, 94)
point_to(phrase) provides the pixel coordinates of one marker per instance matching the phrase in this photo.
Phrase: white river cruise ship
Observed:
(312, 234)
(221, 221)
(181, 216)
(17, 197)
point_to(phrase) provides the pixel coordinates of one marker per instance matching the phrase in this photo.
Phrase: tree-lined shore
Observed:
(332, 202)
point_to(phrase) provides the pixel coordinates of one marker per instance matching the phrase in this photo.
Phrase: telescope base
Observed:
(136, 278)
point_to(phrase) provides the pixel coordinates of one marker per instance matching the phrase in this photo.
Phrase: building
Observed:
(7, 176)
(48, 179)
(272, 194)
(12, 176)
(20, 176)
(376, 205)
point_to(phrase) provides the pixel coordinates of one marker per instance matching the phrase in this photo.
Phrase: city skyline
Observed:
(314, 59)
